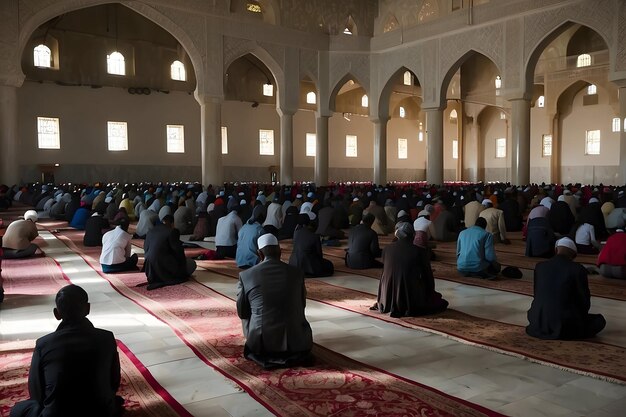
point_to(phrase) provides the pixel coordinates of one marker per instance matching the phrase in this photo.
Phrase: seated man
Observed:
(475, 254)
(271, 298)
(445, 228)
(17, 240)
(407, 285)
(307, 249)
(115, 255)
(147, 220)
(560, 308)
(612, 258)
(95, 227)
(75, 371)
(363, 247)
(495, 222)
(226, 234)
(247, 250)
(165, 261)
(540, 238)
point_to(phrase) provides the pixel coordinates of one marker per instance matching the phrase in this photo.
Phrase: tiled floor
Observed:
(500, 382)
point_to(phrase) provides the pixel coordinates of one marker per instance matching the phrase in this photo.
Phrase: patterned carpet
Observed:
(143, 396)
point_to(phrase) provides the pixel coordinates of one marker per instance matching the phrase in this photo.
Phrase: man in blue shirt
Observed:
(475, 254)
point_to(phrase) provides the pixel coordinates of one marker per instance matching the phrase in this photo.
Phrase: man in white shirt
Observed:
(115, 256)
(226, 234)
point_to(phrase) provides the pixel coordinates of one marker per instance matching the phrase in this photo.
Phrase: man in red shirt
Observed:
(612, 258)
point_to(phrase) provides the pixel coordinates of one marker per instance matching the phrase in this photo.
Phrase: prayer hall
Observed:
(219, 142)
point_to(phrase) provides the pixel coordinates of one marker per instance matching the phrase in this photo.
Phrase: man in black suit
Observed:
(75, 371)
(165, 261)
(560, 308)
(363, 247)
(271, 298)
(307, 249)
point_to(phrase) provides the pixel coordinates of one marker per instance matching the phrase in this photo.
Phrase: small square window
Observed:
(266, 142)
(402, 112)
(546, 145)
(311, 98)
(351, 146)
(592, 90)
(268, 90)
(501, 148)
(48, 133)
(118, 136)
(175, 139)
(310, 144)
(403, 148)
(365, 101)
(592, 142)
(224, 140)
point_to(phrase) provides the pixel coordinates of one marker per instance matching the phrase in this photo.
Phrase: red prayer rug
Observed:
(207, 322)
(143, 396)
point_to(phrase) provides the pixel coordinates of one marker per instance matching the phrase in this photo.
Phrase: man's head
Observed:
(368, 219)
(566, 247)
(168, 220)
(71, 303)
(404, 230)
(31, 215)
(487, 203)
(481, 222)
(124, 224)
(268, 246)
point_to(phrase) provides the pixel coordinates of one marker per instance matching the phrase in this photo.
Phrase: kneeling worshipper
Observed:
(247, 251)
(75, 371)
(612, 258)
(79, 219)
(165, 261)
(407, 284)
(307, 249)
(226, 234)
(560, 308)
(585, 238)
(540, 238)
(363, 247)
(271, 299)
(495, 222)
(115, 255)
(95, 226)
(17, 240)
(147, 220)
(475, 253)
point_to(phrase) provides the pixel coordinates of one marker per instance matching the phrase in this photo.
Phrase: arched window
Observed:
(616, 124)
(42, 56)
(408, 78)
(311, 98)
(453, 116)
(402, 112)
(584, 60)
(592, 89)
(498, 82)
(541, 101)
(350, 28)
(177, 71)
(365, 102)
(116, 64)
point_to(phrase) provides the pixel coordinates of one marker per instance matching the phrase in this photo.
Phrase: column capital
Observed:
(379, 119)
(432, 109)
(319, 114)
(206, 98)
(516, 94)
(285, 111)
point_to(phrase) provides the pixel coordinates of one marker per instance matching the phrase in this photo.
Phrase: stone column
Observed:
(286, 146)
(434, 145)
(622, 133)
(321, 151)
(9, 164)
(520, 141)
(211, 139)
(380, 150)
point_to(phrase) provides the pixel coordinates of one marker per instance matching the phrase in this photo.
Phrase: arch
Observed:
(443, 88)
(342, 81)
(531, 60)
(265, 58)
(57, 8)
(397, 78)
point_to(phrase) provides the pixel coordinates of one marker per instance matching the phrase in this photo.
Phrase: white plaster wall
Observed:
(540, 124)
(407, 129)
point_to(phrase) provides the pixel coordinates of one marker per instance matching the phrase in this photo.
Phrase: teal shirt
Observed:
(474, 250)
(247, 244)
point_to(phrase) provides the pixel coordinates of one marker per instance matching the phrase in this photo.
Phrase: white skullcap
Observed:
(31, 215)
(427, 195)
(403, 195)
(267, 239)
(298, 195)
(593, 200)
(242, 202)
(355, 199)
(310, 194)
(222, 192)
(561, 198)
(420, 203)
(210, 207)
(260, 193)
(546, 202)
(567, 192)
(566, 242)
(312, 216)
(486, 202)
(108, 199)
(369, 193)
(241, 193)
(423, 213)
(495, 192)
(401, 213)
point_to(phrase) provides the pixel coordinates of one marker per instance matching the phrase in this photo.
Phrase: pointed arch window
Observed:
(541, 101)
(311, 98)
(408, 78)
(268, 89)
(178, 72)
(365, 102)
(350, 28)
(498, 82)
(616, 124)
(584, 60)
(42, 56)
(453, 116)
(402, 112)
(592, 89)
(116, 64)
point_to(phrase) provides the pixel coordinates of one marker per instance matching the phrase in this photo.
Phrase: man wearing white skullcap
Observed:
(17, 240)
(495, 222)
(560, 308)
(270, 302)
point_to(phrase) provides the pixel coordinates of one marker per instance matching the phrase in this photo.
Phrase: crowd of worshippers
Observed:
(247, 221)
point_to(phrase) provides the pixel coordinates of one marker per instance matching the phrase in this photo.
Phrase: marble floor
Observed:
(503, 383)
